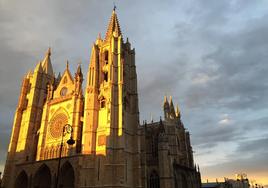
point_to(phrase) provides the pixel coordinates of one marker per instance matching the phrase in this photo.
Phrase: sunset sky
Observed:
(210, 55)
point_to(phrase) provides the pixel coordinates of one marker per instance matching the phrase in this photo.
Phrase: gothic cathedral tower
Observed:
(109, 149)
(111, 115)
(28, 115)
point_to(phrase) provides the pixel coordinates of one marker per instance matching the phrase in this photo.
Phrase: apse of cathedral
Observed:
(66, 135)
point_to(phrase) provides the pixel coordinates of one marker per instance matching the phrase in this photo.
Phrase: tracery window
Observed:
(56, 125)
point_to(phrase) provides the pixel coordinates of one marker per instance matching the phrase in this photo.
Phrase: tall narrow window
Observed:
(126, 169)
(103, 103)
(90, 75)
(154, 181)
(98, 169)
(155, 146)
(106, 57)
(105, 76)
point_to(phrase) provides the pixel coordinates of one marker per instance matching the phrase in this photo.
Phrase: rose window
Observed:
(56, 125)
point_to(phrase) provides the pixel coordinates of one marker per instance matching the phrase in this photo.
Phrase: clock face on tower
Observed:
(56, 125)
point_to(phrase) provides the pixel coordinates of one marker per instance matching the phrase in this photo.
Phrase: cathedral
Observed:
(73, 136)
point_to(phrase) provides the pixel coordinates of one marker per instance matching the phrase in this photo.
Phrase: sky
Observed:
(211, 56)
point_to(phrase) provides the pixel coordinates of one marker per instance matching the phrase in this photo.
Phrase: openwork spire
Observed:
(113, 26)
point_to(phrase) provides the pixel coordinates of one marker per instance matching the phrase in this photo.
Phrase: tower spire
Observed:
(166, 108)
(113, 26)
(46, 63)
(67, 65)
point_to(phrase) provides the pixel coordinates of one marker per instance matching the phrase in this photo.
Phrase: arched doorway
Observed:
(42, 178)
(21, 180)
(66, 178)
(184, 181)
(154, 181)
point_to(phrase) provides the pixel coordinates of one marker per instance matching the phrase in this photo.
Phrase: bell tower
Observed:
(111, 115)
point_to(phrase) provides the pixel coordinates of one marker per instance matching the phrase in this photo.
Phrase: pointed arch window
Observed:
(154, 181)
(106, 56)
(22, 180)
(103, 102)
(65, 80)
(63, 91)
(105, 76)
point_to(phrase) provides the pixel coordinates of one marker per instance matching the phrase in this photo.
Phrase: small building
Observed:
(228, 183)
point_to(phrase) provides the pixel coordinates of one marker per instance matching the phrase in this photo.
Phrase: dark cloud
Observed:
(217, 134)
(236, 71)
(254, 146)
(210, 55)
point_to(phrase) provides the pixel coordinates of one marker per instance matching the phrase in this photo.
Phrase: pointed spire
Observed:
(166, 104)
(178, 113)
(49, 52)
(79, 70)
(58, 78)
(113, 26)
(98, 40)
(38, 67)
(29, 74)
(170, 100)
(46, 63)
(165, 99)
(99, 36)
(59, 75)
(152, 119)
(79, 73)
(171, 107)
(166, 108)
(67, 65)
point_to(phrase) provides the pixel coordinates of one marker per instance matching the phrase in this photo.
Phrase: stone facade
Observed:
(111, 149)
(166, 151)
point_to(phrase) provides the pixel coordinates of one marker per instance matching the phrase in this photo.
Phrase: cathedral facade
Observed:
(63, 136)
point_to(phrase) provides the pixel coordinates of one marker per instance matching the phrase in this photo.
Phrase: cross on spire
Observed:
(113, 26)
(114, 7)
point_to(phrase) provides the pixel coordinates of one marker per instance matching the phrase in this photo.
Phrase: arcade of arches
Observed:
(44, 178)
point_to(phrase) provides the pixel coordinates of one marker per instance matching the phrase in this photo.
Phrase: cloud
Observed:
(210, 55)
(238, 64)
(250, 159)
(225, 120)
